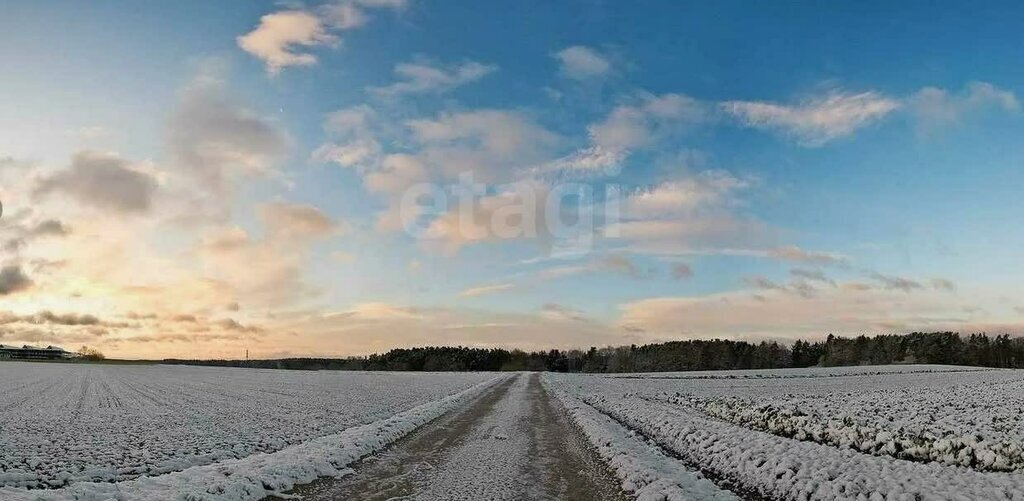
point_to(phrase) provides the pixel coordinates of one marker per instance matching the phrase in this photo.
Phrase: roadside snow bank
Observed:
(262, 474)
(644, 470)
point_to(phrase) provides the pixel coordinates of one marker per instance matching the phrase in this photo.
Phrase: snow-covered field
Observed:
(91, 432)
(88, 429)
(893, 432)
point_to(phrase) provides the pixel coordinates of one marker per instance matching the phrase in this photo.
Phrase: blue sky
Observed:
(230, 174)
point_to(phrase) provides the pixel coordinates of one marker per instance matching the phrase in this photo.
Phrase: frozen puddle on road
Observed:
(512, 442)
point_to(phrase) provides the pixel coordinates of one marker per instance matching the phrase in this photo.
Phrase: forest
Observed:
(916, 348)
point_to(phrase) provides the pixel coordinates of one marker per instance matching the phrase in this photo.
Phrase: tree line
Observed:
(916, 348)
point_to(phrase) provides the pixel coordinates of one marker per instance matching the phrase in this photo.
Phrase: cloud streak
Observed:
(486, 289)
(424, 78)
(815, 120)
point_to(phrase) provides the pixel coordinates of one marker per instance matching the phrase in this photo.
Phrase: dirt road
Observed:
(513, 442)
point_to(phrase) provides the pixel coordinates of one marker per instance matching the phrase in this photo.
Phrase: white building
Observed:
(28, 352)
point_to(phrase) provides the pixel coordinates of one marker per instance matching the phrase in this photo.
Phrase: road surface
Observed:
(513, 442)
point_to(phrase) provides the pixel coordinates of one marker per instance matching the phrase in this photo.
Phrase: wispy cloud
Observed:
(612, 263)
(891, 282)
(812, 275)
(685, 196)
(795, 254)
(486, 289)
(692, 214)
(639, 124)
(558, 312)
(425, 78)
(816, 120)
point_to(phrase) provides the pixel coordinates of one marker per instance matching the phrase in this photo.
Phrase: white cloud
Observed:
(397, 172)
(424, 78)
(593, 160)
(627, 127)
(265, 270)
(500, 131)
(354, 144)
(703, 235)
(278, 35)
(934, 107)
(357, 153)
(636, 125)
(817, 120)
(519, 212)
(685, 196)
(211, 136)
(690, 214)
(296, 222)
(582, 63)
(356, 121)
(493, 145)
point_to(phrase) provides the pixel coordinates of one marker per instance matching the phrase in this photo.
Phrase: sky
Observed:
(208, 179)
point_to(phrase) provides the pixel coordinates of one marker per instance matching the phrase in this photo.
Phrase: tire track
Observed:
(512, 442)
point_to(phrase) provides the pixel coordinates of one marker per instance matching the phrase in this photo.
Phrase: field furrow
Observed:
(71, 424)
(882, 434)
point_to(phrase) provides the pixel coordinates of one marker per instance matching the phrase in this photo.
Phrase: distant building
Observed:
(34, 353)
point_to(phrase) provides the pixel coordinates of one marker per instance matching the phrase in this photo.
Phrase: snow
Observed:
(489, 462)
(90, 431)
(896, 432)
(644, 469)
(808, 372)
